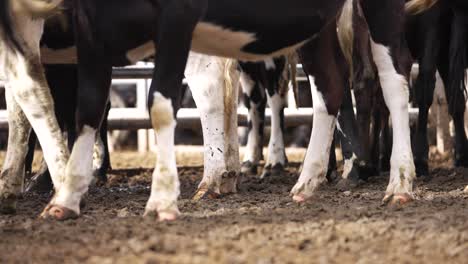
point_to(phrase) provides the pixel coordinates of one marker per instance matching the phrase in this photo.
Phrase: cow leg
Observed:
(455, 90)
(324, 61)
(255, 101)
(164, 100)
(276, 160)
(349, 143)
(12, 175)
(424, 91)
(214, 83)
(101, 156)
(29, 89)
(94, 78)
(58, 77)
(390, 55)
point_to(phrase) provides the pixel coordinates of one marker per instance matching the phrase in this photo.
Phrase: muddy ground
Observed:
(260, 224)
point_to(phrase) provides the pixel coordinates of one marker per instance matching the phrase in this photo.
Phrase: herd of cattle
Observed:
(365, 45)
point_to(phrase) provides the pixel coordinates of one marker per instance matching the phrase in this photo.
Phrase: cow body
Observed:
(239, 29)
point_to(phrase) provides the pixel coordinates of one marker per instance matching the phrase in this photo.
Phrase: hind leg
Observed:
(330, 76)
(214, 85)
(12, 175)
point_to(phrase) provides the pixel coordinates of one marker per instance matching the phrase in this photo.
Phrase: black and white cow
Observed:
(238, 29)
(263, 82)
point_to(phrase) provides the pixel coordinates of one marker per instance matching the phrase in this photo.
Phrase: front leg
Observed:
(176, 24)
(214, 84)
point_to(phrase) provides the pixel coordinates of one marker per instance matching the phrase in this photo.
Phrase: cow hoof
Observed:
(398, 199)
(422, 169)
(300, 198)
(163, 215)
(229, 182)
(100, 176)
(40, 183)
(205, 193)
(8, 204)
(59, 213)
(332, 176)
(272, 171)
(249, 168)
(461, 162)
(348, 184)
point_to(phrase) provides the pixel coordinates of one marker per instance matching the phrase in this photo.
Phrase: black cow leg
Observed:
(177, 22)
(350, 145)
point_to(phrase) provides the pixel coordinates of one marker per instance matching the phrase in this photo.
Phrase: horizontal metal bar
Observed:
(133, 118)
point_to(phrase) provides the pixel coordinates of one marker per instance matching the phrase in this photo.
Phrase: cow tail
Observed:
(418, 6)
(292, 61)
(346, 33)
(37, 8)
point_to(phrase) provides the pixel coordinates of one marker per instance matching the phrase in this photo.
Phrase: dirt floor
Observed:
(260, 224)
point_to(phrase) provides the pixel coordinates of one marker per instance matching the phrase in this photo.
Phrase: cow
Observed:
(437, 39)
(209, 26)
(264, 82)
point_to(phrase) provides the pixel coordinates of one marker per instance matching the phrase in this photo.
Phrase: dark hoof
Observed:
(8, 204)
(461, 162)
(272, 171)
(229, 182)
(40, 183)
(348, 184)
(249, 168)
(332, 176)
(351, 181)
(367, 171)
(58, 213)
(101, 177)
(422, 168)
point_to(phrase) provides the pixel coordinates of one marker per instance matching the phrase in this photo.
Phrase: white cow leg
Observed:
(276, 160)
(12, 175)
(165, 181)
(396, 93)
(315, 164)
(214, 85)
(255, 100)
(31, 93)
